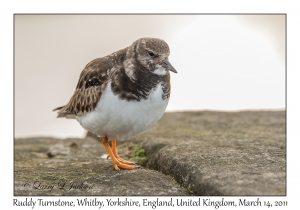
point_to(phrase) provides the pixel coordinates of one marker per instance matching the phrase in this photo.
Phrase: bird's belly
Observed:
(122, 119)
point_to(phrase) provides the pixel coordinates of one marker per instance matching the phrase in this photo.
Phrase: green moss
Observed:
(139, 151)
(132, 152)
(138, 154)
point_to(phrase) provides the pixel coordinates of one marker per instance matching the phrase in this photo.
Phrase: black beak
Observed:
(165, 63)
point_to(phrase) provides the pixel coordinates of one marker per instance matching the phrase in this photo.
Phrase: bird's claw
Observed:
(138, 166)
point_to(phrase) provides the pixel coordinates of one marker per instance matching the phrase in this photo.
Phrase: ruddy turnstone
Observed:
(121, 95)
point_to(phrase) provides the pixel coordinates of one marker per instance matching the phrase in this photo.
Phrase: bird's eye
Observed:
(150, 53)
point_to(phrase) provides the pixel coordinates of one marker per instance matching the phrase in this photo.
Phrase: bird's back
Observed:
(91, 84)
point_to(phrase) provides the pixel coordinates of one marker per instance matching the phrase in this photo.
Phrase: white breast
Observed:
(120, 119)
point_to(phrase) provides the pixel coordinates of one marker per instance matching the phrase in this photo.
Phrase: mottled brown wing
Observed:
(91, 84)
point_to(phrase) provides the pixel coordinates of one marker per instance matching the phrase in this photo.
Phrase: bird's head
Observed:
(152, 54)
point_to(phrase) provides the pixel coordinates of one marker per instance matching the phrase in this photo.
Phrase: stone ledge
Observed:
(206, 153)
(220, 153)
(46, 166)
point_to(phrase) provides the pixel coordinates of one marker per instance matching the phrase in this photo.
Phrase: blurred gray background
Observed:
(224, 62)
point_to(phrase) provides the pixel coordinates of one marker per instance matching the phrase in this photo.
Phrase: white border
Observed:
(8, 8)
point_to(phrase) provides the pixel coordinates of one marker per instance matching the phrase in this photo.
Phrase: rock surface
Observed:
(46, 166)
(197, 153)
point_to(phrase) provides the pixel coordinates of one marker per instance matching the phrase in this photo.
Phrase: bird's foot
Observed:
(113, 154)
(121, 160)
(119, 165)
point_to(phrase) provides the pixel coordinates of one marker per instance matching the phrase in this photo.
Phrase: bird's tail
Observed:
(62, 112)
(58, 108)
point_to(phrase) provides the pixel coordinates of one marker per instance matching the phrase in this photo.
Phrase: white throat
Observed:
(160, 70)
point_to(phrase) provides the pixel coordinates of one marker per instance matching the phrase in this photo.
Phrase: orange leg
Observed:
(114, 150)
(116, 162)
